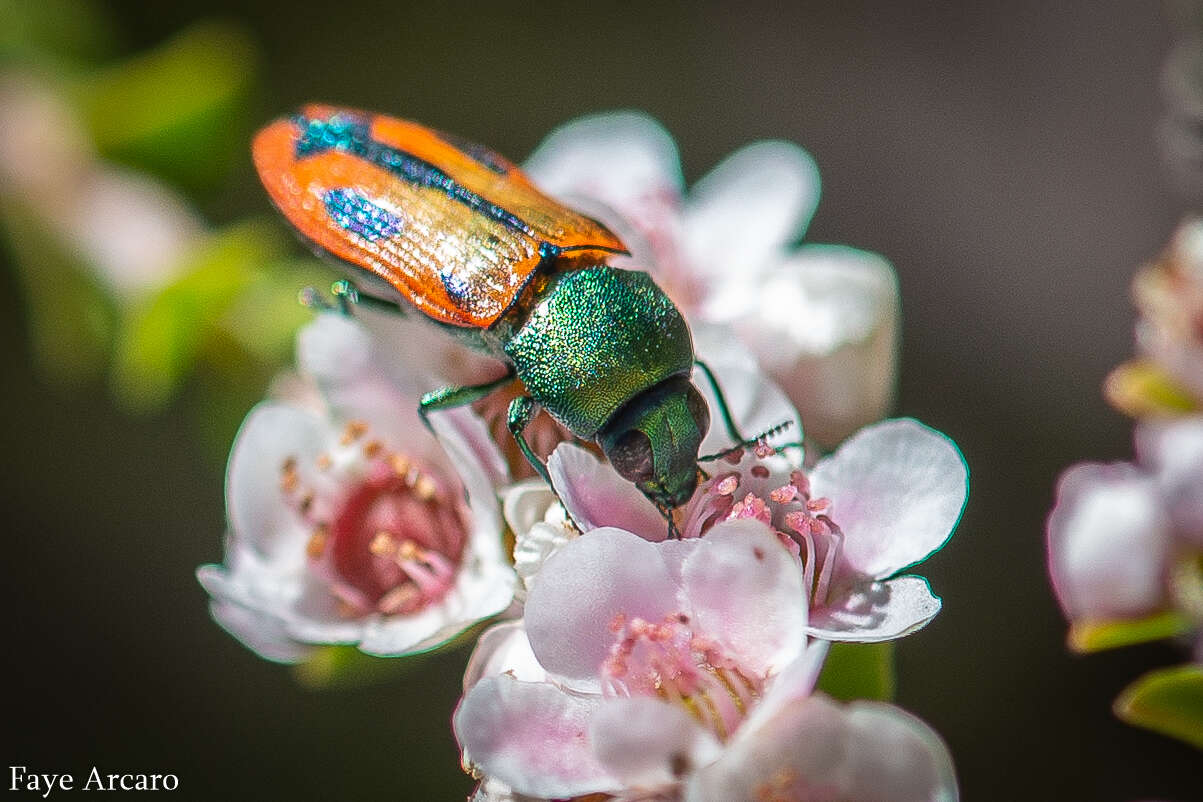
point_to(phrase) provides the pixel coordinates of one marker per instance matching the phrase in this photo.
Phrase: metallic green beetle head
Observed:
(653, 441)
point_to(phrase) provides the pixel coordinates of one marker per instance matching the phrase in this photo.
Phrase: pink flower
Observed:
(822, 320)
(1125, 540)
(349, 522)
(885, 500)
(678, 670)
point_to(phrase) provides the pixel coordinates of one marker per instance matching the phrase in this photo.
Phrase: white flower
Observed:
(822, 320)
(1125, 540)
(349, 523)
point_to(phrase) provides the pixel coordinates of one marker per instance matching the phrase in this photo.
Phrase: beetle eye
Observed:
(699, 409)
(631, 456)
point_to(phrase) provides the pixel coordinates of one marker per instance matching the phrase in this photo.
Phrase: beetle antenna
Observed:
(765, 435)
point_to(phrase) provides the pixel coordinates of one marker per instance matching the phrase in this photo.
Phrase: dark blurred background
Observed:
(1003, 156)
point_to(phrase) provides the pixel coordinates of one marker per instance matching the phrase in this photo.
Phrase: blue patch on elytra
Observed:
(455, 285)
(340, 132)
(352, 134)
(353, 212)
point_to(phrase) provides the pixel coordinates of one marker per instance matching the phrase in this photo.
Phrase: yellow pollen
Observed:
(383, 544)
(324, 462)
(372, 449)
(408, 550)
(317, 543)
(306, 503)
(398, 598)
(288, 475)
(424, 488)
(400, 464)
(355, 430)
(777, 788)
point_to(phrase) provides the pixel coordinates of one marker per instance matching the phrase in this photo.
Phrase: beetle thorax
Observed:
(595, 339)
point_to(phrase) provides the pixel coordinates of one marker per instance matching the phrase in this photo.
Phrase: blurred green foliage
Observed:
(1168, 701)
(179, 111)
(859, 671)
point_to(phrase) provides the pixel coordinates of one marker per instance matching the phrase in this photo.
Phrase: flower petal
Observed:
(1108, 542)
(334, 349)
(259, 632)
(869, 612)
(271, 435)
(897, 490)
(1174, 451)
(595, 495)
(532, 736)
(755, 403)
(580, 591)
(746, 593)
(617, 158)
(742, 213)
(503, 649)
(534, 546)
(824, 324)
(821, 750)
(525, 503)
(665, 744)
(484, 587)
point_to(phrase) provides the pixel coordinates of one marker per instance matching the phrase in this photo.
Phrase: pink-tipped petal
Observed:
(532, 736)
(595, 495)
(863, 752)
(897, 489)
(746, 593)
(272, 437)
(259, 632)
(749, 207)
(583, 588)
(649, 744)
(503, 649)
(616, 159)
(870, 611)
(755, 403)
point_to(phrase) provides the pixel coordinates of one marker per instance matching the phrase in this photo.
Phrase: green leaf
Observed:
(71, 317)
(71, 31)
(162, 339)
(1095, 636)
(1142, 389)
(347, 667)
(179, 111)
(859, 671)
(1168, 701)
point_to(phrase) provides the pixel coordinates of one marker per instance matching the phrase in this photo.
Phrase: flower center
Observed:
(803, 524)
(667, 659)
(388, 535)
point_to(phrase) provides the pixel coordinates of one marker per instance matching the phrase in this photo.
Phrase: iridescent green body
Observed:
(608, 355)
(595, 339)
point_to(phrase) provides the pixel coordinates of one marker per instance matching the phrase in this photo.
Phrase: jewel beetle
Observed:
(432, 223)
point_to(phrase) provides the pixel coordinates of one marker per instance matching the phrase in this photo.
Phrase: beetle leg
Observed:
(346, 294)
(451, 397)
(732, 431)
(522, 411)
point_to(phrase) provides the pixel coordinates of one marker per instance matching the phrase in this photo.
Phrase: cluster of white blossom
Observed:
(627, 659)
